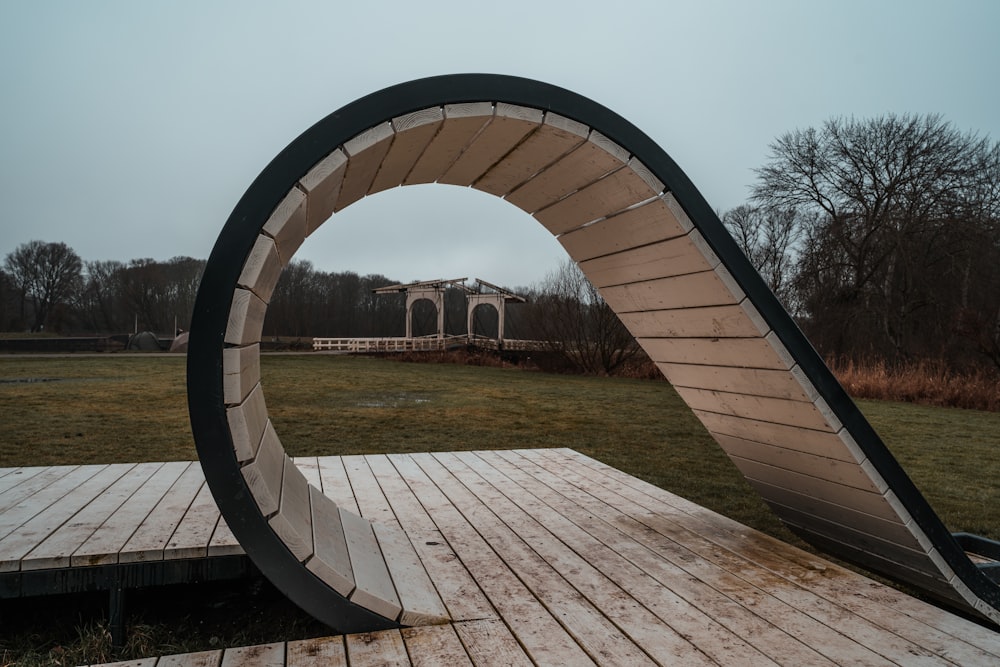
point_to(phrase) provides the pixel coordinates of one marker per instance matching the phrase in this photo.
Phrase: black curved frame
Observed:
(205, 384)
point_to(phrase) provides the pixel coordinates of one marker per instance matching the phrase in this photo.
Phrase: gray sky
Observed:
(130, 129)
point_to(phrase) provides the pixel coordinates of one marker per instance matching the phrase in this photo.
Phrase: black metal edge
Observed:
(234, 243)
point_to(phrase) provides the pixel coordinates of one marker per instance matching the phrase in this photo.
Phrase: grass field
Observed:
(132, 408)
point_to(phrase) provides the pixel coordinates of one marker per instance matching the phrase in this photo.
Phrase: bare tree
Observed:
(571, 315)
(769, 238)
(47, 275)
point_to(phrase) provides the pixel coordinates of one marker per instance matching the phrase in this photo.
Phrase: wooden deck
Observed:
(540, 556)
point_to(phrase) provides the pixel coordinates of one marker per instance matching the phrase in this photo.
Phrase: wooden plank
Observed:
(730, 321)
(309, 467)
(335, 483)
(194, 531)
(42, 523)
(420, 602)
(103, 546)
(580, 617)
(765, 408)
(612, 194)
(331, 560)
(833, 470)
(543, 638)
(674, 257)
(385, 648)
(373, 585)
(693, 290)
(287, 225)
(263, 475)
(152, 535)
(241, 372)
(736, 352)
(365, 153)
(413, 132)
(261, 269)
(652, 222)
(322, 187)
(841, 637)
(573, 554)
(12, 477)
(554, 138)
(371, 501)
(458, 590)
(726, 633)
(819, 443)
(577, 169)
(432, 646)
(509, 126)
(489, 641)
(754, 381)
(21, 502)
(323, 651)
(223, 541)
(246, 318)
(462, 123)
(247, 422)
(263, 655)
(293, 521)
(199, 659)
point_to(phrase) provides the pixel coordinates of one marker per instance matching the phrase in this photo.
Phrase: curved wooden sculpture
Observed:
(661, 258)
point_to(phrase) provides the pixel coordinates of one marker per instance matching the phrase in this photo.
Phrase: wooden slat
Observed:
(462, 123)
(576, 612)
(241, 372)
(293, 521)
(263, 474)
(841, 472)
(820, 443)
(261, 269)
(693, 290)
(459, 591)
(55, 550)
(223, 541)
(191, 537)
(736, 352)
(21, 502)
(247, 422)
(200, 659)
(331, 561)
(420, 602)
(433, 646)
(577, 169)
(152, 535)
(322, 187)
(803, 414)
(489, 641)
(263, 655)
(652, 222)
(104, 545)
(47, 520)
(336, 484)
(11, 477)
(674, 257)
(556, 136)
(754, 381)
(326, 651)
(533, 625)
(509, 126)
(733, 321)
(373, 585)
(365, 153)
(246, 318)
(309, 467)
(612, 194)
(384, 648)
(287, 225)
(372, 503)
(413, 132)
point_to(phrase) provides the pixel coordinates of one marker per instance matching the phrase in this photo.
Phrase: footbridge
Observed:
(642, 234)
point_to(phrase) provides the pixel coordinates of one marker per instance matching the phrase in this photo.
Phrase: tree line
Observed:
(881, 236)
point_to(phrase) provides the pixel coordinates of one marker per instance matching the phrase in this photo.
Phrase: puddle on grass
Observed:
(391, 401)
(29, 380)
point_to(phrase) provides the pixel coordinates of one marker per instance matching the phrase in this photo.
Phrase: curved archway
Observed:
(661, 258)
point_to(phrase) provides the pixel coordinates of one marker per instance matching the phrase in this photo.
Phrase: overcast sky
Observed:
(130, 129)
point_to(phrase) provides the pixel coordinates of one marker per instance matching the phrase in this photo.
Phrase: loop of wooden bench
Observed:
(661, 259)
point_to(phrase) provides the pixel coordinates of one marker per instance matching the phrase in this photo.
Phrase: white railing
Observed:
(428, 344)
